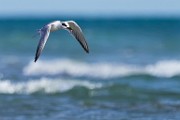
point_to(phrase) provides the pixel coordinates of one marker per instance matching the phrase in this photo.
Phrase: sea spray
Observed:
(103, 70)
(45, 85)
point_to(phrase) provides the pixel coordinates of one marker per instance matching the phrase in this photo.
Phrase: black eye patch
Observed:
(64, 24)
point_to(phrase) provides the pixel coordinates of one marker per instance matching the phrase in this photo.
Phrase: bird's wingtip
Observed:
(35, 60)
(87, 51)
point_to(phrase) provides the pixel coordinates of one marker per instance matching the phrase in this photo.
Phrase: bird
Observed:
(71, 26)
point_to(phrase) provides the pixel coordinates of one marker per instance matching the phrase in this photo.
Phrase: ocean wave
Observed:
(164, 68)
(45, 85)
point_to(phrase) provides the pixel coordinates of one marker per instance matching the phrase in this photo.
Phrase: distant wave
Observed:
(45, 85)
(165, 68)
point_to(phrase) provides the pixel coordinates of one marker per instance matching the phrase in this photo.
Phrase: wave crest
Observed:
(43, 85)
(166, 68)
(78, 69)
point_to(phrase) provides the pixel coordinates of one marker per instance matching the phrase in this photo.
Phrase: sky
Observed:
(118, 8)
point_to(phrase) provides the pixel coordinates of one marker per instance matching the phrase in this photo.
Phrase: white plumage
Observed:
(70, 26)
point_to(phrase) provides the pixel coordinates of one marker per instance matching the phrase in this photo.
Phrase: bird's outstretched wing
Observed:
(76, 31)
(44, 33)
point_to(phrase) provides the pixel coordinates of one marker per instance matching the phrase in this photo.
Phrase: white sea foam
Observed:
(74, 68)
(44, 84)
(167, 68)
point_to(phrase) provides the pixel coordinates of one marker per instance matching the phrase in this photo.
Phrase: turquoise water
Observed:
(131, 73)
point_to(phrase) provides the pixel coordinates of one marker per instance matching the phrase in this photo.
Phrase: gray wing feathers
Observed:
(44, 32)
(78, 34)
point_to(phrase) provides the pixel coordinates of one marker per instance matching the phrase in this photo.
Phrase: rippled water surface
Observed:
(131, 73)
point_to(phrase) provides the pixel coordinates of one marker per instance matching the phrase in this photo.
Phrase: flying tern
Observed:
(70, 26)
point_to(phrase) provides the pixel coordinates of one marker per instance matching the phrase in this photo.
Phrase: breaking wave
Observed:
(45, 85)
(165, 68)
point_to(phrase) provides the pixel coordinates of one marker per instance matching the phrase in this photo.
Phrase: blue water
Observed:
(131, 73)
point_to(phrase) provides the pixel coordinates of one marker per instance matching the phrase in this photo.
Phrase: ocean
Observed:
(131, 73)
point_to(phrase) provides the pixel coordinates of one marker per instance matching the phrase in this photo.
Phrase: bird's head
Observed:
(65, 25)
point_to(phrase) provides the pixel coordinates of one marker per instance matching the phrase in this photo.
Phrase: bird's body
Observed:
(70, 26)
(56, 25)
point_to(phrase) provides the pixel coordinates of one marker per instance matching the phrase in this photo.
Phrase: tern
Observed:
(70, 26)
